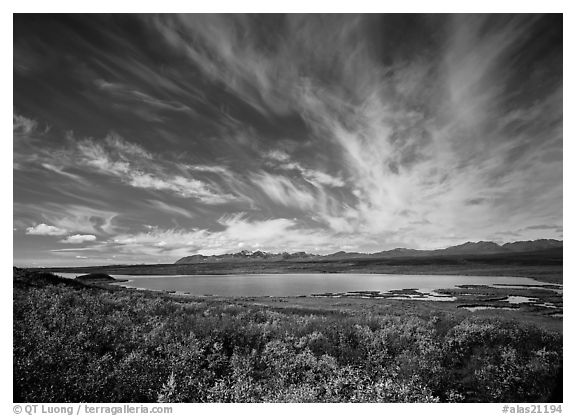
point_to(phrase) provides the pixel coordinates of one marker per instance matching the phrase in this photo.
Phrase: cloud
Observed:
(274, 234)
(354, 110)
(214, 46)
(44, 229)
(209, 168)
(170, 209)
(278, 155)
(61, 171)
(74, 249)
(28, 138)
(313, 176)
(130, 164)
(23, 125)
(475, 201)
(80, 218)
(131, 95)
(372, 131)
(429, 156)
(312, 200)
(320, 178)
(125, 149)
(71, 218)
(543, 227)
(284, 191)
(79, 238)
(237, 230)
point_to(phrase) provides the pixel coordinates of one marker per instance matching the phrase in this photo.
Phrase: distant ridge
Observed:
(479, 247)
(246, 255)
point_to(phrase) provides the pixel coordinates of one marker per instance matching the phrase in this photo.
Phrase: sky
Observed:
(147, 138)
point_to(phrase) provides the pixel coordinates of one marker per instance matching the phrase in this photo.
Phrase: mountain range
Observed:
(479, 247)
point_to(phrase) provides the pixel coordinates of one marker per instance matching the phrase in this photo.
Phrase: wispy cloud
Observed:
(132, 95)
(543, 227)
(170, 209)
(69, 218)
(316, 177)
(356, 117)
(132, 165)
(61, 171)
(23, 125)
(84, 219)
(365, 131)
(284, 191)
(214, 46)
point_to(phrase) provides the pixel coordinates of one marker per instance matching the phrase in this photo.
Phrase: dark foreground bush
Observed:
(74, 344)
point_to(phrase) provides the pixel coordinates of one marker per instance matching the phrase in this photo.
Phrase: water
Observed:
(520, 299)
(485, 308)
(308, 284)
(425, 297)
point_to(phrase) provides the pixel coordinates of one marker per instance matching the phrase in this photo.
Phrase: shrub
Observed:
(73, 343)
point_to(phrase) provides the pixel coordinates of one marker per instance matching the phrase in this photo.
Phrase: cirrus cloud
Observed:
(325, 131)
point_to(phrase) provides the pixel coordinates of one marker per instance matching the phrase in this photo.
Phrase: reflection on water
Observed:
(520, 299)
(432, 298)
(483, 308)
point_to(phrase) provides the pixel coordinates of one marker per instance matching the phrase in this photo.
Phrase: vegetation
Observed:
(102, 277)
(75, 343)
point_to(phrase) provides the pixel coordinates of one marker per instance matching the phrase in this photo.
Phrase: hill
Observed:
(245, 255)
(96, 277)
(480, 247)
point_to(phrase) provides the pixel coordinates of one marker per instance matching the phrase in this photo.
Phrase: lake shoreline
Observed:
(541, 304)
(544, 273)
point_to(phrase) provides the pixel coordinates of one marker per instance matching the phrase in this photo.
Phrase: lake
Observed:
(308, 284)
